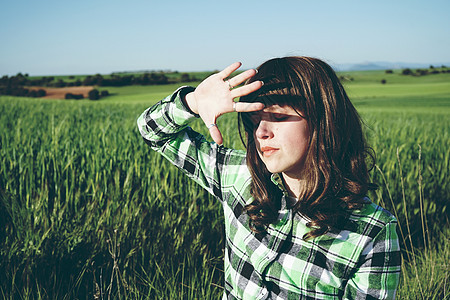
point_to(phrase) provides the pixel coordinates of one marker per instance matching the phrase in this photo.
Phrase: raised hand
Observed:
(214, 96)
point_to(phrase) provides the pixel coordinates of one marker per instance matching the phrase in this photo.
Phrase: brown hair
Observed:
(336, 171)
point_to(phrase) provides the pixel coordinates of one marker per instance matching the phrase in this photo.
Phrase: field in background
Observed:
(85, 205)
(60, 93)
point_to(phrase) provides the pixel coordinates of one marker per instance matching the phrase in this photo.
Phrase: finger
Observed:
(246, 89)
(240, 78)
(228, 70)
(216, 135)
(248, 107)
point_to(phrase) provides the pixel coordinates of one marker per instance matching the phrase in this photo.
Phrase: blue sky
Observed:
(51, 37)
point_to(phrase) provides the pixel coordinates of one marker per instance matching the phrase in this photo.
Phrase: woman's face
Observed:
(281, 138)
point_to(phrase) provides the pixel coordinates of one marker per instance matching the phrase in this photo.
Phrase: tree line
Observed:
(422, 72)
(419, 72)
(148, 78)
(17, 85)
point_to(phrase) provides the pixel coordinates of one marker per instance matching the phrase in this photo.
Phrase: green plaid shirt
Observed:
(362, 262)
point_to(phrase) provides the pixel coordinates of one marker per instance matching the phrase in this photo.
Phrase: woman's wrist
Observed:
(191, 102)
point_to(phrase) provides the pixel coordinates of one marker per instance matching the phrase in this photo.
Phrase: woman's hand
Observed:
(214, 96)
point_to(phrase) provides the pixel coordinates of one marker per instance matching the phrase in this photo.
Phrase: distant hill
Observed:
(384, 65)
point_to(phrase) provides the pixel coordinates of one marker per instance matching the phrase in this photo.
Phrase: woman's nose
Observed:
(264, 131)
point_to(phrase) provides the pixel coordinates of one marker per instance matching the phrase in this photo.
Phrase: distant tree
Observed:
(185, 77)
(19, 91)
(406, 71)
(144, 79)
(421, 72)
(158, 78)
(19, 79)
(117, 80)
(431, 67)
(383, 81)
(4, 80)
(32, 93)
(41, 93)
(89, 80)
(126, 80)
(60, 83)
(47, 80)
(36, 82)
(69, 96)
(94, 94)
(15, 91)
(98, 79)
(389, 71)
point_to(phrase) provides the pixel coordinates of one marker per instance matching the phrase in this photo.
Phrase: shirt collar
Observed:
(286, 201)
(278, 181)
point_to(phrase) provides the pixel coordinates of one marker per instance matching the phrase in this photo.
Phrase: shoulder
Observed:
(372, 213)
(371, 219)
(365, 225)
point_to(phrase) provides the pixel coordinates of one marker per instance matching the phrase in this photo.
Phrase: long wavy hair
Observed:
(338, 159)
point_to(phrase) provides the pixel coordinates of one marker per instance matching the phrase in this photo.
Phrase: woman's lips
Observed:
(268, 151)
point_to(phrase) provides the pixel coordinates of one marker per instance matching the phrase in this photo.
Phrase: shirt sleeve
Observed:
(379, 272)
(165, 129)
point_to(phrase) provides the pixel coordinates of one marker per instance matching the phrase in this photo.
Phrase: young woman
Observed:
(298, 222)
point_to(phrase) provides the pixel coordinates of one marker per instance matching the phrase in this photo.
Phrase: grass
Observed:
(87, 210)
(427, 276)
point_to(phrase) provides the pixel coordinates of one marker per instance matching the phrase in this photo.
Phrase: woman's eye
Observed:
(280, 117)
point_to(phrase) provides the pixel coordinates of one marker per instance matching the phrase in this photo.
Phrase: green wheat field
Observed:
(88, 211)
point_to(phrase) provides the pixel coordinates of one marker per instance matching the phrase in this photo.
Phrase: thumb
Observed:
(215, 134)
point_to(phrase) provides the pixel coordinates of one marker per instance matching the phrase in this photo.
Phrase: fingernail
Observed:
(256, 70)
(262, 82)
